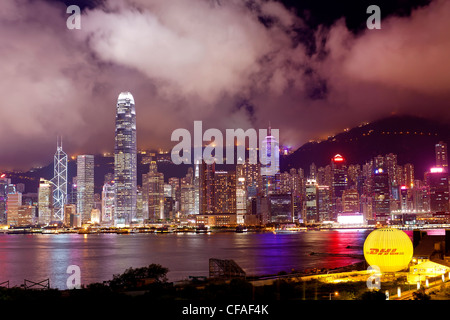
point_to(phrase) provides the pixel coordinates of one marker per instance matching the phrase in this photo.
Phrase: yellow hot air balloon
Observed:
(389, 249)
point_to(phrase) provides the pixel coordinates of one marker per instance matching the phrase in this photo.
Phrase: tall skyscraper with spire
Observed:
(125, 160)
(59, 181)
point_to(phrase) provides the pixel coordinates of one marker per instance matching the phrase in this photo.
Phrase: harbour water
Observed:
(37, 257)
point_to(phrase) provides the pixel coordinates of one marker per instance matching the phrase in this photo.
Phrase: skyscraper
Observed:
(60, 182)
(125, 160)
(85, 186)
(270, 162)
(441, 155)
(45, 202)
(206, 197)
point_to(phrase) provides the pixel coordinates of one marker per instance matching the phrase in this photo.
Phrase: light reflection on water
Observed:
(99, 256)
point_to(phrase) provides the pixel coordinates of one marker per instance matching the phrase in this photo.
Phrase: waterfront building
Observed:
(69, 211)
(281, 208)
(108, 203)
(45, 201)
(339, 182)
(60, 182)
(14, 201)
(26, 215)
(125, 160)
(4, 189)
(85, 186)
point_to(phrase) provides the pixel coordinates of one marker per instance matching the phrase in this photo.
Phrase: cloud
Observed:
(229, 63)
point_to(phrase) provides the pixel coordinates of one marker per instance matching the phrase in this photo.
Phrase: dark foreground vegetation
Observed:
(149, 284)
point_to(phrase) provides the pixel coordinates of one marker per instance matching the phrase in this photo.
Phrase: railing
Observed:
(44, 284)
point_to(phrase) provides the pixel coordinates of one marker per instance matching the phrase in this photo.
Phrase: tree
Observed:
(421, 294)
(133, 278)
(373, 295)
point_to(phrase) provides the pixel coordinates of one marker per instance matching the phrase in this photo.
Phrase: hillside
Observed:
(411, 138)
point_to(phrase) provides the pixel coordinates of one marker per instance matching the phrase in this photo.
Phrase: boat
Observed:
(289, 230)
(201, 229)
(241, 229)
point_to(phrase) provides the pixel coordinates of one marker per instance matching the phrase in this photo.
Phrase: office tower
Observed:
(14, 201)
(4, 182)
(311, 201)
(125, 160)
(25, 215)
(340, 181)
(187, 199)
(69, 211)
(207, 197)
(354, 171)
(60, 182)
(153, 193)
(175, 186)
(441, 155)
(281, 208)
(270, 162)
(85, 186)
(324, 205)
(437, 180)
(409, 175)
(108, 202)
(350, 201)
(45, 202)
(313, 171)
(224, 192)
(197, 188)
(141, 210)
(391, 167)
(252, 175)
(380, 195)
(241, 195)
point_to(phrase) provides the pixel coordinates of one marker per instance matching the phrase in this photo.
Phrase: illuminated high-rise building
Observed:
(45, 201)
(13, 203)
(153, 192)
(270, 162)
(441, 155)
(224, 192)
(125, 160)
(60, 182)
(380, 195)
(350, 201)
(311, 215)
(4, 183)
(108, 202)
(85, 186)
(339, 182)
(206, 197)
(437, 180)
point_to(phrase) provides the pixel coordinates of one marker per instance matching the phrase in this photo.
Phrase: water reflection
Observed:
(38, 257)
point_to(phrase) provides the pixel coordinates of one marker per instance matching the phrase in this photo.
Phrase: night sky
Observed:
(311, 68)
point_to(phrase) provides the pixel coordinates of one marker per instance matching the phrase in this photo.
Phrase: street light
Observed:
(335, 294)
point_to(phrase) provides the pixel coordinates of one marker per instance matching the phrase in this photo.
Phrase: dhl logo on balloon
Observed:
(385, 252)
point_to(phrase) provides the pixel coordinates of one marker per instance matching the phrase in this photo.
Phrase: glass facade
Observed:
(125, 160)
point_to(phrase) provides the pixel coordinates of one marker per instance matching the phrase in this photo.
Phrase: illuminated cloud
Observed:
(230, 64)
